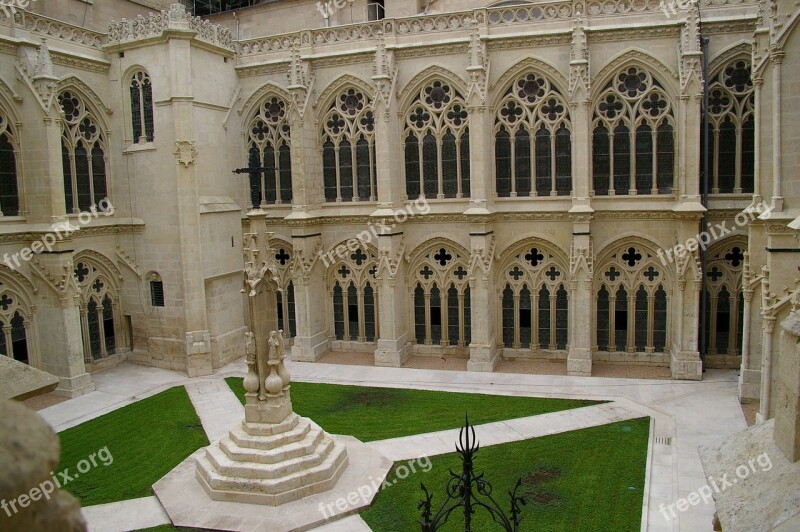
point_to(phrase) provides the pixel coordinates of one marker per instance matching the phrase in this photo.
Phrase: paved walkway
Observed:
(443, 442)
(685, 415)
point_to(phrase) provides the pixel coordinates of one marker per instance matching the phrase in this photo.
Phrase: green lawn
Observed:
(144, 441)
(379, 413)
(590, 479)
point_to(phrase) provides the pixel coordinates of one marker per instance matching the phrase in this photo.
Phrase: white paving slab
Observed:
(442, 442)
(132, 514)
(216, 405)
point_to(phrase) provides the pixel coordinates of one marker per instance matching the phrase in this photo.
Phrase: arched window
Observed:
(731, 129)
(100, 314)
(436, 140)
(633, 141)
(533, 146)
(269, 155)
(631, 304)
(83, 151)
(534, 301)
(725, 299)
(441, 299)
(14, 326)
(284, 296)
(355, 297)
(9, 189)
(348, 149)
(156, 289)
(141, 107)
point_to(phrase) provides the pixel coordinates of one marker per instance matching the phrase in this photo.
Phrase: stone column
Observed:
(483, 304)
(60, 342)
(311, 341)
(787, 411)
(393, 345)
(579, 358)
(766, 369)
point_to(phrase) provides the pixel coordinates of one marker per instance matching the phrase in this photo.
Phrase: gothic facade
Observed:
(485, 180)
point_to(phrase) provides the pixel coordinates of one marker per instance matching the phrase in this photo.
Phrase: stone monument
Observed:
(274, 470)
(274, 456)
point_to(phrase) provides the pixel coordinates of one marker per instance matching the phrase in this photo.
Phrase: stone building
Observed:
(472, 179)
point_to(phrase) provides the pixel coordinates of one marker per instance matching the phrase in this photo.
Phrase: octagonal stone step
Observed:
(244, 438)
(276, 490)
(274, 455)
(249, 469)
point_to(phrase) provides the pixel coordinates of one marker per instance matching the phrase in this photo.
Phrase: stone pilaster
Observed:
(684, 311)
(393, 344)
(311, 341)
(60, 342)
(483, 307)
(581, 322)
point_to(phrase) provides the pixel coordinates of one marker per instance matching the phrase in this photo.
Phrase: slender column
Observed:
(766, 369)
(777, 198)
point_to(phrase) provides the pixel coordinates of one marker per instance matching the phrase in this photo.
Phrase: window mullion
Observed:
(611, 173)
(654, 161)
(715, 161)
(737, 184)
(552, 163)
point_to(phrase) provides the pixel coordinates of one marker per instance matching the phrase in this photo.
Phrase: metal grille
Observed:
(157, 293)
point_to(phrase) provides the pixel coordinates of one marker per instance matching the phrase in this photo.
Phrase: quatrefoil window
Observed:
(443, 257)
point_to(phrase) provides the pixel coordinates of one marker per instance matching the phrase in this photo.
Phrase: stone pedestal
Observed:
(271, 463)
(275, 456)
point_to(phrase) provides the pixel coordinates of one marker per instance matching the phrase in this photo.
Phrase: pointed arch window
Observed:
(83, 154)
(533, 146)
(534, 302)
(269, 154)
(354, 296)
(633, 144)
(14, 324)
(631, 304)
(724, 311)
(141, 91)
(100, 313)
(732, 129)
(441, 299)
(284, 296)
(348, 149)
(436, 140)
(9, 168)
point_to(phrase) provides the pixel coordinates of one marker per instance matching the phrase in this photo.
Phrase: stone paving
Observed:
(685, 415)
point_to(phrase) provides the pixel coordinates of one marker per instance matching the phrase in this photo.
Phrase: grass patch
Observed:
(589, 479)
(379, 413)
(146, 440)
